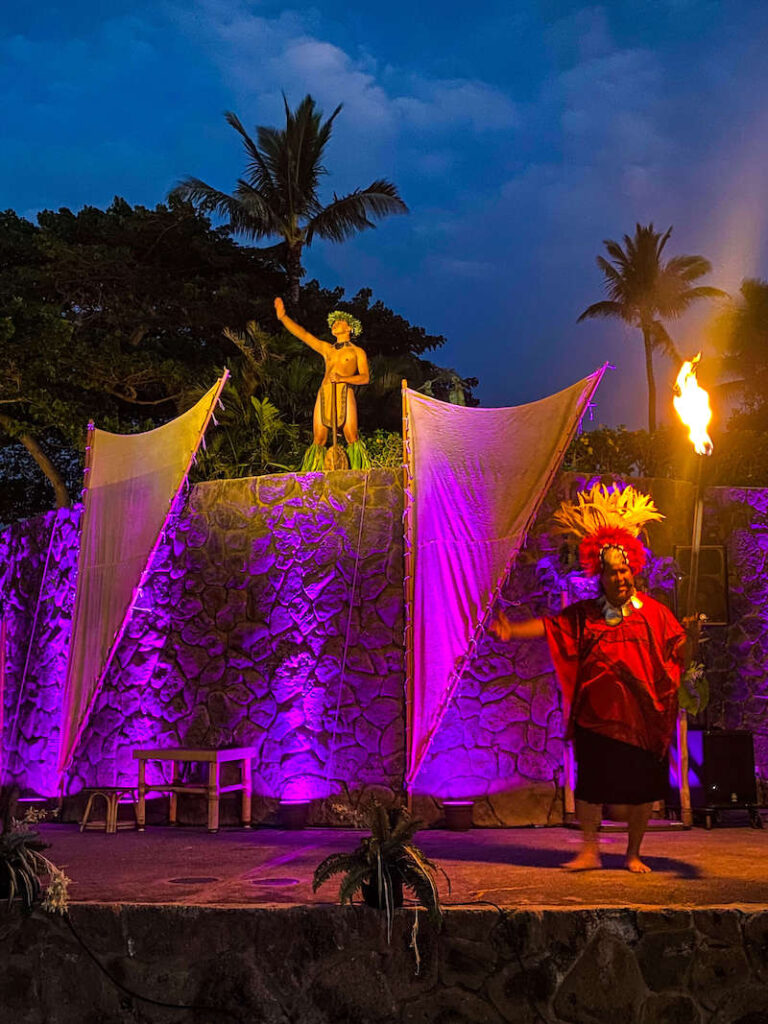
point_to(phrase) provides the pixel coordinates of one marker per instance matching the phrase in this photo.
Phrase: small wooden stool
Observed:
(111, 796)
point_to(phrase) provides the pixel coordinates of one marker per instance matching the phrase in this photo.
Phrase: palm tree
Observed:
(643, 290)
(740, 333)
(279, 194)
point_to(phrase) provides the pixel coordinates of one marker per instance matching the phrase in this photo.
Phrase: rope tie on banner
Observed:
(342, 674)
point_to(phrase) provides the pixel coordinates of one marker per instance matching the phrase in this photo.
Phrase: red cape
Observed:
(620, 681)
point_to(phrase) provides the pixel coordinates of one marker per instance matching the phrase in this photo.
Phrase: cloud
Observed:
(472, 269)
(261, 56)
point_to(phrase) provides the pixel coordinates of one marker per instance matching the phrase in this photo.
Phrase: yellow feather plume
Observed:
(628, 508)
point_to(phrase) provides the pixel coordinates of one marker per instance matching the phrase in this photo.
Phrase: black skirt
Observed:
(612, 772)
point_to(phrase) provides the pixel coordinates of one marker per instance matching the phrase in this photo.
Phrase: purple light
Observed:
(241, 643)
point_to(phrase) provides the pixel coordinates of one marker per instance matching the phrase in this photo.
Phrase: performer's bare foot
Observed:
(636, 866)
(587, 859)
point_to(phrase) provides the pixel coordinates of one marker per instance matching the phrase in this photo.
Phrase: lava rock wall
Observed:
(273, 617)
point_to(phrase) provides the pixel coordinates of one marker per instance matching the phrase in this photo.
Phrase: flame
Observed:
(692, 406)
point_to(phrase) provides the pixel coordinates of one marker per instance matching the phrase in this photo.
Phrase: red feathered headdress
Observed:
(608, 519)
(592, 549)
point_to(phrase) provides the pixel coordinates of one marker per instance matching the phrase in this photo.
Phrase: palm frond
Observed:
(706, 292)
(615, 251)
(349, 214)
(333, 865)
(258, 170)
(251, 218)
(424, 890)
(688, 268)
(253, 213)
(352, 882)
(661, 339)
(406, 826)
(603, 309)
(613, 274)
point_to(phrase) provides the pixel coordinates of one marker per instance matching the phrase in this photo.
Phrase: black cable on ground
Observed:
(198, 1008)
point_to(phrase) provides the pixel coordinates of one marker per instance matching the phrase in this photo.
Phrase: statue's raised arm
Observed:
(298, 331)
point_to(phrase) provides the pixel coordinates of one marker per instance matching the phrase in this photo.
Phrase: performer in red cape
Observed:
(619, 658)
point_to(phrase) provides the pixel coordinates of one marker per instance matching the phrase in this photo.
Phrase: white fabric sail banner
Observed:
(131, 482)
(476, 480)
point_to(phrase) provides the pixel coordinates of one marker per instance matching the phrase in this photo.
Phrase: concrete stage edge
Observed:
(228, 923)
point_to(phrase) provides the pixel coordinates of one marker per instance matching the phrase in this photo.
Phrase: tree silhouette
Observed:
(643, 290)
(279, 194)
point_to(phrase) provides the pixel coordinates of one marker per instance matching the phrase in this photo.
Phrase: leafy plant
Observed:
(385, 449)
(23, 865)
(384, 860)
(693, 695)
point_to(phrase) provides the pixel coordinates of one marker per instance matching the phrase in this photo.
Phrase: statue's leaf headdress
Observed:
(355, 327)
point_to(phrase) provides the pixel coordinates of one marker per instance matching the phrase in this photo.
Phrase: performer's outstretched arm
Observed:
(505, 629)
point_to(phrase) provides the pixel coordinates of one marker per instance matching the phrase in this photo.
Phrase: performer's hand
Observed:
(500, 626)
(692, 625)
(279, 308)
(336, 378)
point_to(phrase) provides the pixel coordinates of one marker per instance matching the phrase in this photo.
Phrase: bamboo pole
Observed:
(686, 813)
(2, 689)
(569, 760)
(408, 580)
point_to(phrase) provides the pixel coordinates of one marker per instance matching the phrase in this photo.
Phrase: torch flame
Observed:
(692, 406)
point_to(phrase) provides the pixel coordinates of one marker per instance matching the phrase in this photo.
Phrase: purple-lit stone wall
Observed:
(260, 625)
(37, 630)
(500, 743)
(272, 618)
(737, 655)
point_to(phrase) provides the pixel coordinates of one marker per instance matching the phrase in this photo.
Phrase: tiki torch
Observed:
(691, 403)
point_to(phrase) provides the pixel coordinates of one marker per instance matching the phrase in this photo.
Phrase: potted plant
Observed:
(383, 862)
(23, 865)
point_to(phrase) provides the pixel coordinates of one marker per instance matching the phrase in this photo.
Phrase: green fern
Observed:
(332, 865)
(380, 858)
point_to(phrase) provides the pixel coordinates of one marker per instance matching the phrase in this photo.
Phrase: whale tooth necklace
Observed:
(612, 614)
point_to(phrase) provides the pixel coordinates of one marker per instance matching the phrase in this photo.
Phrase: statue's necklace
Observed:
(613, 615)
(341, 344)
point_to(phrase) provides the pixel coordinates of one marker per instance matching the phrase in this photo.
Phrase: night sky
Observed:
(520, 134)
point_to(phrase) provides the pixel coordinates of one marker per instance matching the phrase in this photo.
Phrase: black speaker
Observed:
(712, 588)
(721, 768)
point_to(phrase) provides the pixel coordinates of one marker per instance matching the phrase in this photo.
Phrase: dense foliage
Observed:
(740, 457)
(126, 315)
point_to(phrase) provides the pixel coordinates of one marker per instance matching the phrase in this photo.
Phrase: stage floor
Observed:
(510, 867)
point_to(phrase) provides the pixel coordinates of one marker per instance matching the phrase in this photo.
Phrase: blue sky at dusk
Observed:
(520, 134)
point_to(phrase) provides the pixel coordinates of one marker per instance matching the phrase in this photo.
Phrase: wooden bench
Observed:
(212, 789)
